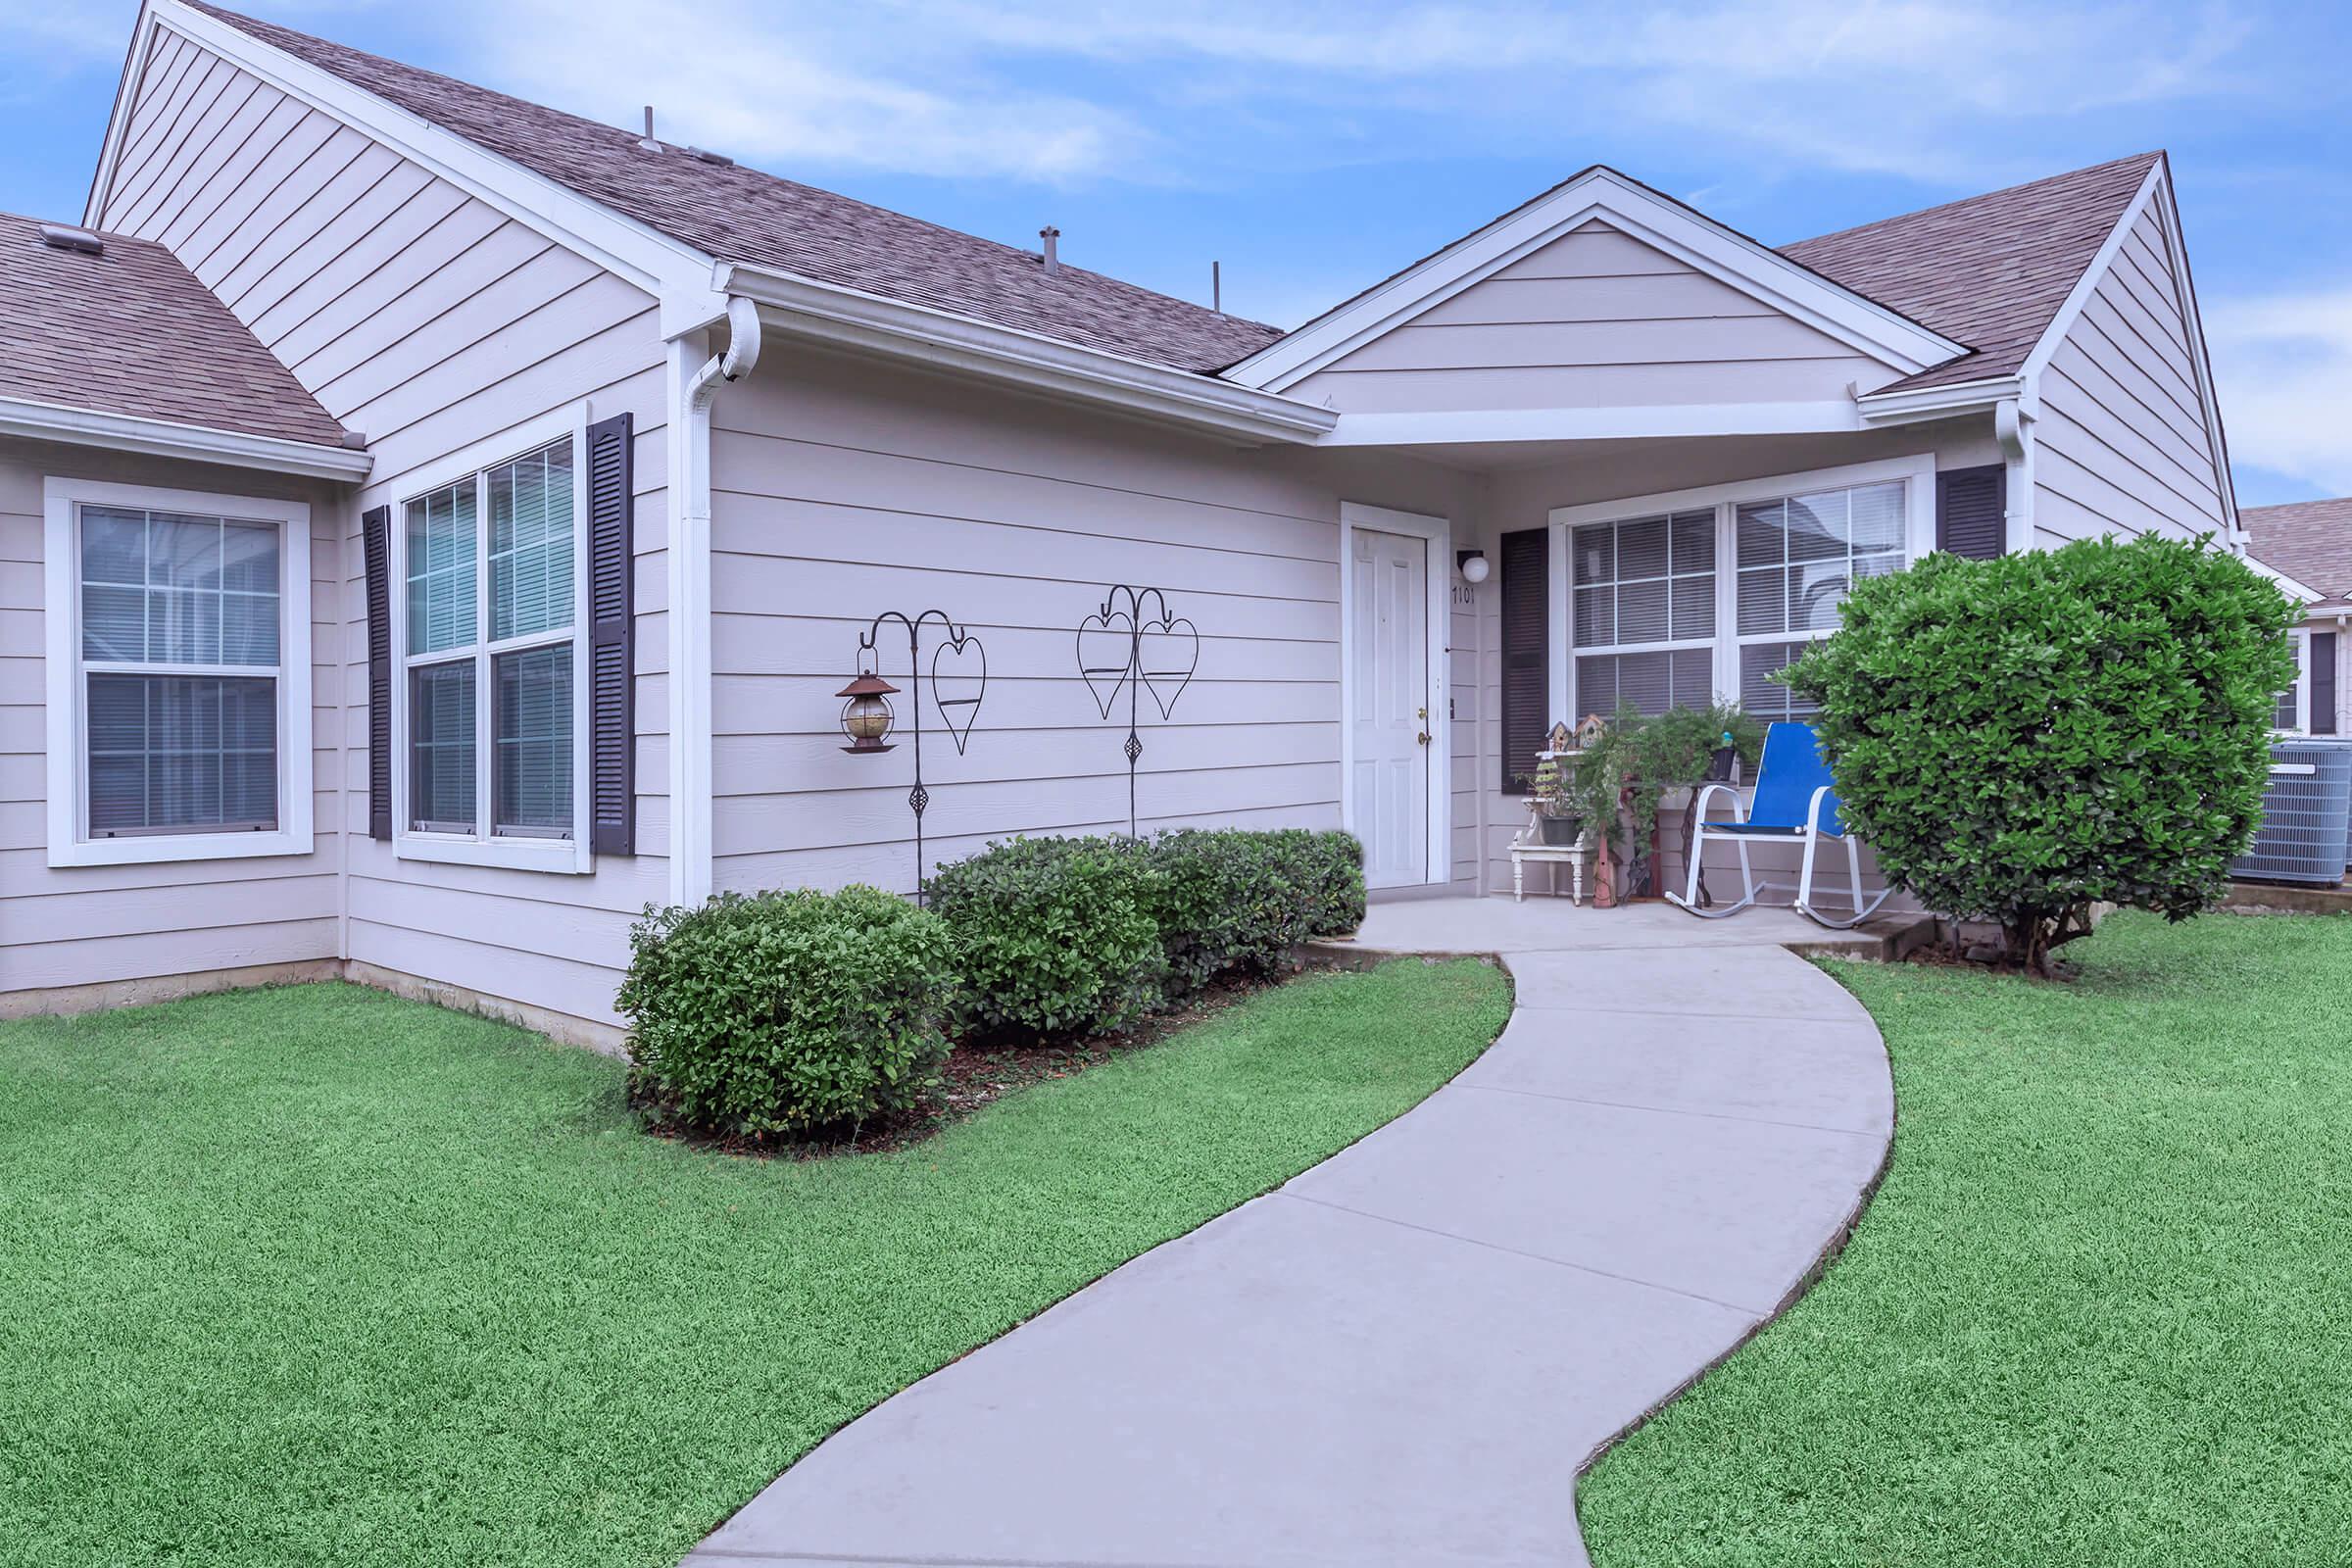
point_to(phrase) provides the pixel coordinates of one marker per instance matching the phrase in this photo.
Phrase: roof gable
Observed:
(728, 213)
(1991, 272)
(1599, 194)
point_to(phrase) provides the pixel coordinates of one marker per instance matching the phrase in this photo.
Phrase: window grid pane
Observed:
(441, 569)
(1645, 581)
(171, 588)
(531, 544)
(1800, 557)
(531, 732)
(1766, 699)
(182, 752)
(441, 752)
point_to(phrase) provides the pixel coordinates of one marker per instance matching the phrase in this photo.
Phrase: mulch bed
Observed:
(978, 1074)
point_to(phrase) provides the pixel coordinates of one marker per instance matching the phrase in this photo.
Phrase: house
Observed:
(435, 527)
(2306, 545)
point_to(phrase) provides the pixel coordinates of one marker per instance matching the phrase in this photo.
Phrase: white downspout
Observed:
(687, 553)
(2012, 427)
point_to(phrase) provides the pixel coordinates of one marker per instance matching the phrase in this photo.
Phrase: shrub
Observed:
(1235, 899)
(2020, 738)
(1054, 936)
(788, 1013)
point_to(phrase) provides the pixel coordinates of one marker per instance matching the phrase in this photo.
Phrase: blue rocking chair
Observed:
(1795, 800)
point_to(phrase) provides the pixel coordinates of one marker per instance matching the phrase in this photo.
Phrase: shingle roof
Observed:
(132, 331)
(735, 213)
(2311, 541)
(1991, 271)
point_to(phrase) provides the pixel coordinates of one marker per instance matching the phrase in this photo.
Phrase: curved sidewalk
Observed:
(1406, 1354)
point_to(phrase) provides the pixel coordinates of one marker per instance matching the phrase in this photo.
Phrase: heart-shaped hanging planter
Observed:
(958, 680)
(1105, 655)
(1169, 651)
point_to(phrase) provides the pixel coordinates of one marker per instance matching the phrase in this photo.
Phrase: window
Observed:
(178, 674)
(2290, 713)
(489, 623)
(1645, 589)
(1797, 557)
(1669, 603)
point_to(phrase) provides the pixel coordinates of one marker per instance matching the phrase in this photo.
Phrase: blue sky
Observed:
(1314, 146)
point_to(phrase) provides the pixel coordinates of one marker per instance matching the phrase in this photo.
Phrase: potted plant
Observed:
(1624, 771)
(1552, 792)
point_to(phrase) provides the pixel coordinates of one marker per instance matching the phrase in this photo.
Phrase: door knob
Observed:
(1423, 737)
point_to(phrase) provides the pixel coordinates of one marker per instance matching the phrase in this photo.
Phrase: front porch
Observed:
(1471, 924)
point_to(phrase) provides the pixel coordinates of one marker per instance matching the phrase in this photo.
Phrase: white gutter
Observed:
(167, 438)
(687, 556)
(1937, 402)
(941, 340)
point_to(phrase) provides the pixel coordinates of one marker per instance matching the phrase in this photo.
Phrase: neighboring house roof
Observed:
(1990, 270)
(131, 331)
(734, 214)
(2311, 541)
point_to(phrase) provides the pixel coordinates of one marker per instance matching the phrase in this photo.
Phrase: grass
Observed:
(2099, 1313)
(317, 1275)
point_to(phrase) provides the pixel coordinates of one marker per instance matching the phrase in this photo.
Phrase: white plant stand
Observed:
(1529, 846)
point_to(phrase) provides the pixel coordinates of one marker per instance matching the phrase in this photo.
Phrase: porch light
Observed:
(865, 717)
(1473, 565)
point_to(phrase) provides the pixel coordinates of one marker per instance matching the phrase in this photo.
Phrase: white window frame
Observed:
(1917, 472)
(571, 857)
(70, 842)
(2301, 637)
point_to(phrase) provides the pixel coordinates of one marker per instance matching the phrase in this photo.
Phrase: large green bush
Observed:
(788, 1013)
(1054, 936)
(2021, 738)
(1231, 898)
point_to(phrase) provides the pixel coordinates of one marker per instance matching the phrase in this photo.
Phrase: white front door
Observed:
(1389, 693)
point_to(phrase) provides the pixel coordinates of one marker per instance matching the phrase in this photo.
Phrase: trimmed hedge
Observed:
(788, 1013)
(1085, 935)
(1235, 898)
(2021, 738)
(1054, 936)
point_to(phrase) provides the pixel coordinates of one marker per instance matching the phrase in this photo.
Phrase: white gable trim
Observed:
(2155, 192)
(676, 275)
(1603, 194)
(169, 438)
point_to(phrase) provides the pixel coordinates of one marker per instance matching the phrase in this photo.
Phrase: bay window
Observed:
(492, 731)
(1677, 600)
(178, 657)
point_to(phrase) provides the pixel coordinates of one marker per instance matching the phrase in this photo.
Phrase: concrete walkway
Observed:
(1406, 1354)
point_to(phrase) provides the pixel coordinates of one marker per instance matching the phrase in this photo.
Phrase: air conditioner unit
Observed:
(2306, 833)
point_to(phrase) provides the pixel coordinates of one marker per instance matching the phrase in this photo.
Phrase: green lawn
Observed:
(2099, 1313)
(316, 1275)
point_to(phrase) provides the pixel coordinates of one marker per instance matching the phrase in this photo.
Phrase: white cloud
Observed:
(1059, 90)
(2282, 371)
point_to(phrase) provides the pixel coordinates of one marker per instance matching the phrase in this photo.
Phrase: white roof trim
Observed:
(167, 438)
(1726, 256)
(1936, 401)
(941, 340)
(1438, 428)
(672, 271)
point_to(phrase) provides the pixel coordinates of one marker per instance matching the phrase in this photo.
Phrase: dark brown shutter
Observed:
(2322, 683)
(1970, 504)
(374, 525)
(1526, 653)
(612, 641)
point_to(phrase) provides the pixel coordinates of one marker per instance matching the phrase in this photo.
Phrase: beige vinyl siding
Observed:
(840, 491)
(429, 321)
(2121, 445)
(84, 925)
(1595, 319)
